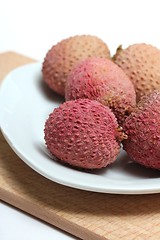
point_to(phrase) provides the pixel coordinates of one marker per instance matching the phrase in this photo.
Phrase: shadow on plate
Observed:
(122, 166)
(49, 93)
(125, 165)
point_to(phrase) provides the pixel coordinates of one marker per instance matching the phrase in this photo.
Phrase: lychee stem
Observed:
(117, 51)
(120, 135)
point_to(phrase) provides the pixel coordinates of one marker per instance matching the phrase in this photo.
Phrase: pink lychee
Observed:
(102, 80)
(63, 56)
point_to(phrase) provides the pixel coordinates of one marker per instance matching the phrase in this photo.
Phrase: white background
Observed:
(31, 27)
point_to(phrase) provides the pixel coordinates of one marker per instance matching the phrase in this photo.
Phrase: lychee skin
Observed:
(143, 130)
(83, 133)
(102, 80)
(63, 56)
(141, 62)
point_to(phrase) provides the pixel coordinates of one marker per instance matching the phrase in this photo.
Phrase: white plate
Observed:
(25, 103)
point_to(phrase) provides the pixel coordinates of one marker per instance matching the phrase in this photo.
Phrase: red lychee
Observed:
(143, 130)
(83, 133)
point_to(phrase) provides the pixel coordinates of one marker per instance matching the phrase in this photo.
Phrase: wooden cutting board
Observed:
(87, 215)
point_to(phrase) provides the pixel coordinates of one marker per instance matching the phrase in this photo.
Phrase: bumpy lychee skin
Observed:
(102, 80)
(83, 133)
(63, 56)
(141, 62)
(143, 130)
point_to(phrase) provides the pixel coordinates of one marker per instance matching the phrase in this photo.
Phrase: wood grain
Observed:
(87, 215)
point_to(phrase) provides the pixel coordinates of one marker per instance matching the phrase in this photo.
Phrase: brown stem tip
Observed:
(120, 135)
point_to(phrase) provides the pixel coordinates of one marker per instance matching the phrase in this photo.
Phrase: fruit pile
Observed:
(109, 102)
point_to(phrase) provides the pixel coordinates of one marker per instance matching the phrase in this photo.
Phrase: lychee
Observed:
(141, 62)
(102, 80)
(83, 133)
(143, 130)
(63, 56)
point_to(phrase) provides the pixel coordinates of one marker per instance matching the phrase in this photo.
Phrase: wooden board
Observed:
(87, 215)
